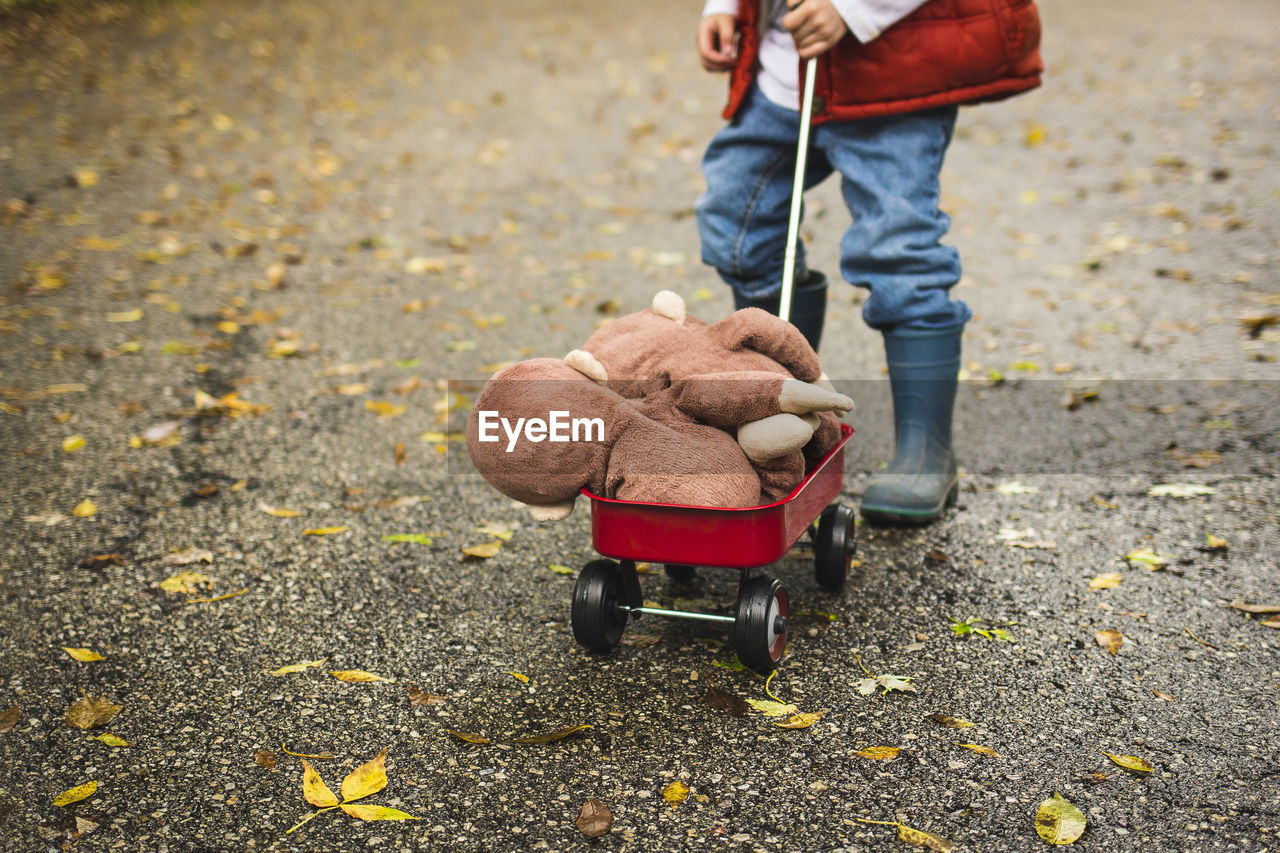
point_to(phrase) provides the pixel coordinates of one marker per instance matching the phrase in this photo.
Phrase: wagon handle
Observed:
(797, 191)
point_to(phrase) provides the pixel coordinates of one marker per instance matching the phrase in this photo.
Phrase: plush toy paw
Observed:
(587, 364)
(551, 512)
(774, 436)
(800, 398)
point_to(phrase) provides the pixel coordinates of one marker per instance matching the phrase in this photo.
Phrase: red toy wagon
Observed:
(608, 595)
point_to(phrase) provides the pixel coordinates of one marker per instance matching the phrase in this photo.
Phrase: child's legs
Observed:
(890, 172)
(742, 217)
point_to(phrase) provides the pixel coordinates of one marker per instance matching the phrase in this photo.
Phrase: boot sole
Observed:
(891, 516)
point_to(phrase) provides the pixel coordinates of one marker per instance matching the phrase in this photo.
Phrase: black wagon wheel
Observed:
(680, 573)
(760, 629)
(596, 615)
(835, 546)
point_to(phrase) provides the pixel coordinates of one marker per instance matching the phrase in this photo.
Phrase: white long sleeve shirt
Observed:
(780, 64)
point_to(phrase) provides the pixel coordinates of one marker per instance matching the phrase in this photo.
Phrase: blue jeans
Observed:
(889, 177)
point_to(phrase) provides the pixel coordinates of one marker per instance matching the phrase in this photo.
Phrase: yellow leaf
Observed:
(85, 509)
(879, 753)
(468, 737)
(314, 789)
(279, 512)
(1035, 135)
(979, 748)
(297, 667)
(559, 569)
(549, 737)
(1059, 822)
(125, 316)
(83, 655)
(498, 530)
(1147, 557)
(100, 244)
(356, 676)
(485, 550)
(368, 778)
(111, 740)
(76, 794)
(702, 294)
(1109, 640)
(920, 838)
(800, 721)
(426, 265)
(1109, 580)
(521, 676)
(86, 177)
(1130, 762)
(363, 812)
(773, 709)
(325, 531)
(216, 597)
(184, 582)
(675, 793)
(385, 409)
(1215, 543)
(72, 443)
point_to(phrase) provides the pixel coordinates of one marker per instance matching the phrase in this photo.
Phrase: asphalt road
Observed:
(329, 211)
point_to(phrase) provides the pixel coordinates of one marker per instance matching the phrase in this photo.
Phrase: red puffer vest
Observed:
(945, 52)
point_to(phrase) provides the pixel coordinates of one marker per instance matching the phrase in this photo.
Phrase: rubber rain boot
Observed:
(808, 306)
(921, 480)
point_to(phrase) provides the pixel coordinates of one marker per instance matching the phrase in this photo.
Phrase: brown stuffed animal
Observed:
(649, 350)
(540, 431)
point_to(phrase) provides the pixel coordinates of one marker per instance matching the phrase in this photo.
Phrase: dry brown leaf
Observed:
(594, 819)
(1162, 696)
(949, 722)
(420, 699)
(263, 758)
(469, 737)
(723, 700)
(9, 718)
(1256, 608)
(1109, 640)
(89, 712)
(549, 736)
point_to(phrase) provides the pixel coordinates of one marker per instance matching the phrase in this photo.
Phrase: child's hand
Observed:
(815, 25)
(718, 42)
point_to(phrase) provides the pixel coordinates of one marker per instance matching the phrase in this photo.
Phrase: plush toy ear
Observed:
(587, 364)
(669, 304)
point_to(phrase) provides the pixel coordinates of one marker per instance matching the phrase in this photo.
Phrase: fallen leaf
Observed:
(879, 753)
(420, 699)
(468, 737)
(1273, 622)
(1130, 762)
(357, 676)
(9, 719)
(800, 721)
(83, 655)
(325, 531)
(1109, 580)
(217, 597)
(723, 700)
(920, 838)
(594, 819)
(186, 558)
(314, 790)
(397, 503)
(90, 712)
(901, 683)
(368, 778)
(110, 739)
(1162, 696)
(979, 748)
(675, 793)
(412, 538)
(385, 409)
(279, 512)
(549, 737)
(770, 708)
(263, 758)
(85, 509)
(559, 569)
(1013, 487)
(364, 812)
(949, 722)
(1179, 490)
(1109, 640)
(520, 676)
(1058, 821)
(1256, 608)
(72, 443)
(297, 667)
(185, 582)
(75, 795)
(484, 550)
(498, 530)
(1147, 557)
(1214, 543)
(125, 316)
